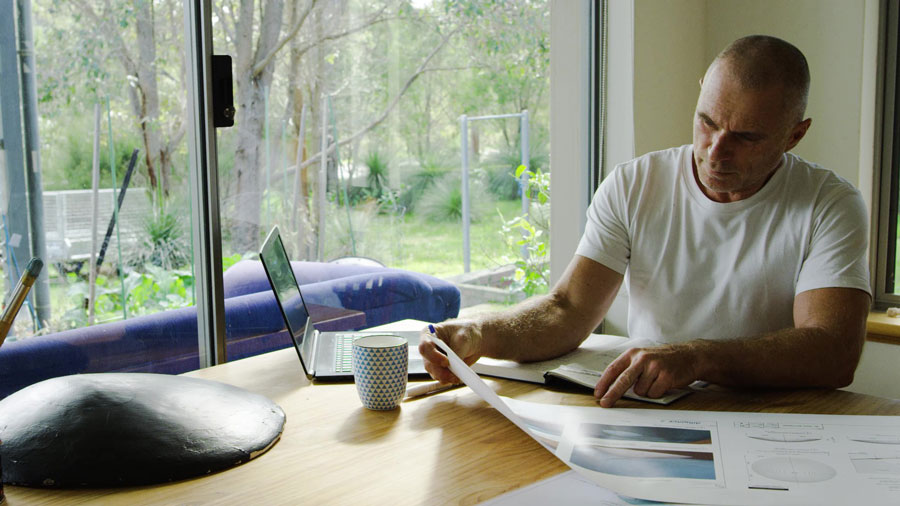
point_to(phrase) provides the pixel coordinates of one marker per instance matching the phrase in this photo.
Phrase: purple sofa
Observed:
(166, 342)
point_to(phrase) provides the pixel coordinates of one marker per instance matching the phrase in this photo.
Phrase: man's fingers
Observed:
(647, 379)
(431, 353)
(664, 383)
(620, 386)
(441, 374)
(611, 373)
(436, 363)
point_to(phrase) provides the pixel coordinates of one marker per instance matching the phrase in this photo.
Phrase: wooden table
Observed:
(450, 448)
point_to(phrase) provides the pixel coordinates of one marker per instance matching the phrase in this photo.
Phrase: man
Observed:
(745, 265)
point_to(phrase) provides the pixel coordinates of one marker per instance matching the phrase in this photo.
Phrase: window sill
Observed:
(882, 328)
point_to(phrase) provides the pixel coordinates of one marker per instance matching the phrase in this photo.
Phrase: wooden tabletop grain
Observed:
(449, 448)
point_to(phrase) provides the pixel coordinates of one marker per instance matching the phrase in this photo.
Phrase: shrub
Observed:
(345, 234)
(165, 243)
(443, 201)
(502, 166)
(502, 182)
(378, 174)
(418, 184)
(532, 275)
(68, 159)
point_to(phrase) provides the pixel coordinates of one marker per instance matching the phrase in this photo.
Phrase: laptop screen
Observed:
(284, 284)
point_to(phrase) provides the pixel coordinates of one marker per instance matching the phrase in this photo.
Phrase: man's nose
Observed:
(720, 147)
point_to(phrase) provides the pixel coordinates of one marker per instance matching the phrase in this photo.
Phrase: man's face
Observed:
(740, 136)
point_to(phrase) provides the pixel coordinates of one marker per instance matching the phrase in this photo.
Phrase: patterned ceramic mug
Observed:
(380, 365)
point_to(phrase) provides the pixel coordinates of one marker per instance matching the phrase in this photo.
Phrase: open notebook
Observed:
(583, 366)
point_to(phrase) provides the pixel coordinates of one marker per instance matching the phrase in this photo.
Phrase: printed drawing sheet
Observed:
(724, 458)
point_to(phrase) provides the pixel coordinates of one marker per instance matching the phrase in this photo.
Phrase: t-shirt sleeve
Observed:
(837, 251)
(606, 237)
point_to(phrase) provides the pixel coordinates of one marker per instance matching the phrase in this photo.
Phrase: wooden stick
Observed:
(95, 215)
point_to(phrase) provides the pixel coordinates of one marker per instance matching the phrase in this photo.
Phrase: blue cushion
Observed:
(166, 342)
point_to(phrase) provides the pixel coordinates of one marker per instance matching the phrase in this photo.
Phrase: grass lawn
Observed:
(410, 242)
(417, 244)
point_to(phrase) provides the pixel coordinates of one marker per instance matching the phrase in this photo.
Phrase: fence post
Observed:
(322, 183)
(524, 178)
(464, 130)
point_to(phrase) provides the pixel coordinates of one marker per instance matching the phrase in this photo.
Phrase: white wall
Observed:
(569, 128)
(674, 41)
(669, 60)
(830, 33)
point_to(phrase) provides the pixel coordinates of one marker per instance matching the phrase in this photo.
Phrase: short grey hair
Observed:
(761, 61)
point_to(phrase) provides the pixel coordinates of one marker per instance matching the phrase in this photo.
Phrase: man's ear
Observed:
(797, 133)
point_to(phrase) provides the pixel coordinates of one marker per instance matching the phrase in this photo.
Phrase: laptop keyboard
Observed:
(343, 352)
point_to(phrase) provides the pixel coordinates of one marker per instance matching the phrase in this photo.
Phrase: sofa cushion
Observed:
(166, 342)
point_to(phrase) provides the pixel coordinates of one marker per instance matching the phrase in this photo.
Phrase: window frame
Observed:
(577, 113)
(204, 170)
(887, 181)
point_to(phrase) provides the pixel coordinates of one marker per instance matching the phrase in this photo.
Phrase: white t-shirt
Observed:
(695, 268)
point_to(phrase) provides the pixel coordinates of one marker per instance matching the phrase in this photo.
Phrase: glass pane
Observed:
(381, 87)
(895, 267)
(109, 90)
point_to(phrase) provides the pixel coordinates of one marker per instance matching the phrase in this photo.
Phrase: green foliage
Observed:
(510, 40)
(502, 182)
(378, 174)
(164, 243)
(538, 184)
(67, 163)
(501, 168)
(498, 63)
(228, 261)
(147, 292)
(419, 183)
(153, 290)
(350, 237)
(532, 275)
(443, 201)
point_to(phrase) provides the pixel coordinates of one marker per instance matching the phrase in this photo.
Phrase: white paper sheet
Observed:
(714, 457)
(468, 376)
(565, 489)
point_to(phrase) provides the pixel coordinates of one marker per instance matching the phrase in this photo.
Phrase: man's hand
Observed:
(464, 337)
(653, 372)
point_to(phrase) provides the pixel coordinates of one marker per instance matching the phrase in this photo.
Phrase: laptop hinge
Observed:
(315, 350)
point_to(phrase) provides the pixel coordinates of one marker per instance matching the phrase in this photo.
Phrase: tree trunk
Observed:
(252, 87)
(300, 128)
(147, 89)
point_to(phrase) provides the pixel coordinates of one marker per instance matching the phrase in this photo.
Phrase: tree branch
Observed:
(259, 67)
(334, 36)
(112, 34)
(421, 68)
(287, 38)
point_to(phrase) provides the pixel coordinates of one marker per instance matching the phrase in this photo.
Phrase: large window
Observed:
(357, 122)
(887, 231)
(95, 182)
(95, 159)
(386, 90)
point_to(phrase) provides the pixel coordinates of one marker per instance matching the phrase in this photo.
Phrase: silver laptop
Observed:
(323, 355)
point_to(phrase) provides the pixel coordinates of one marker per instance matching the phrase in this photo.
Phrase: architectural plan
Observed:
(703, 457)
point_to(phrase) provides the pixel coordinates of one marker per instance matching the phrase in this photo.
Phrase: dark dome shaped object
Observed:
(124, 429)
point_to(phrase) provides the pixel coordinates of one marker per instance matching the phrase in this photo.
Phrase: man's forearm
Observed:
(551, 325)
(795, 357)
(539, 328)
